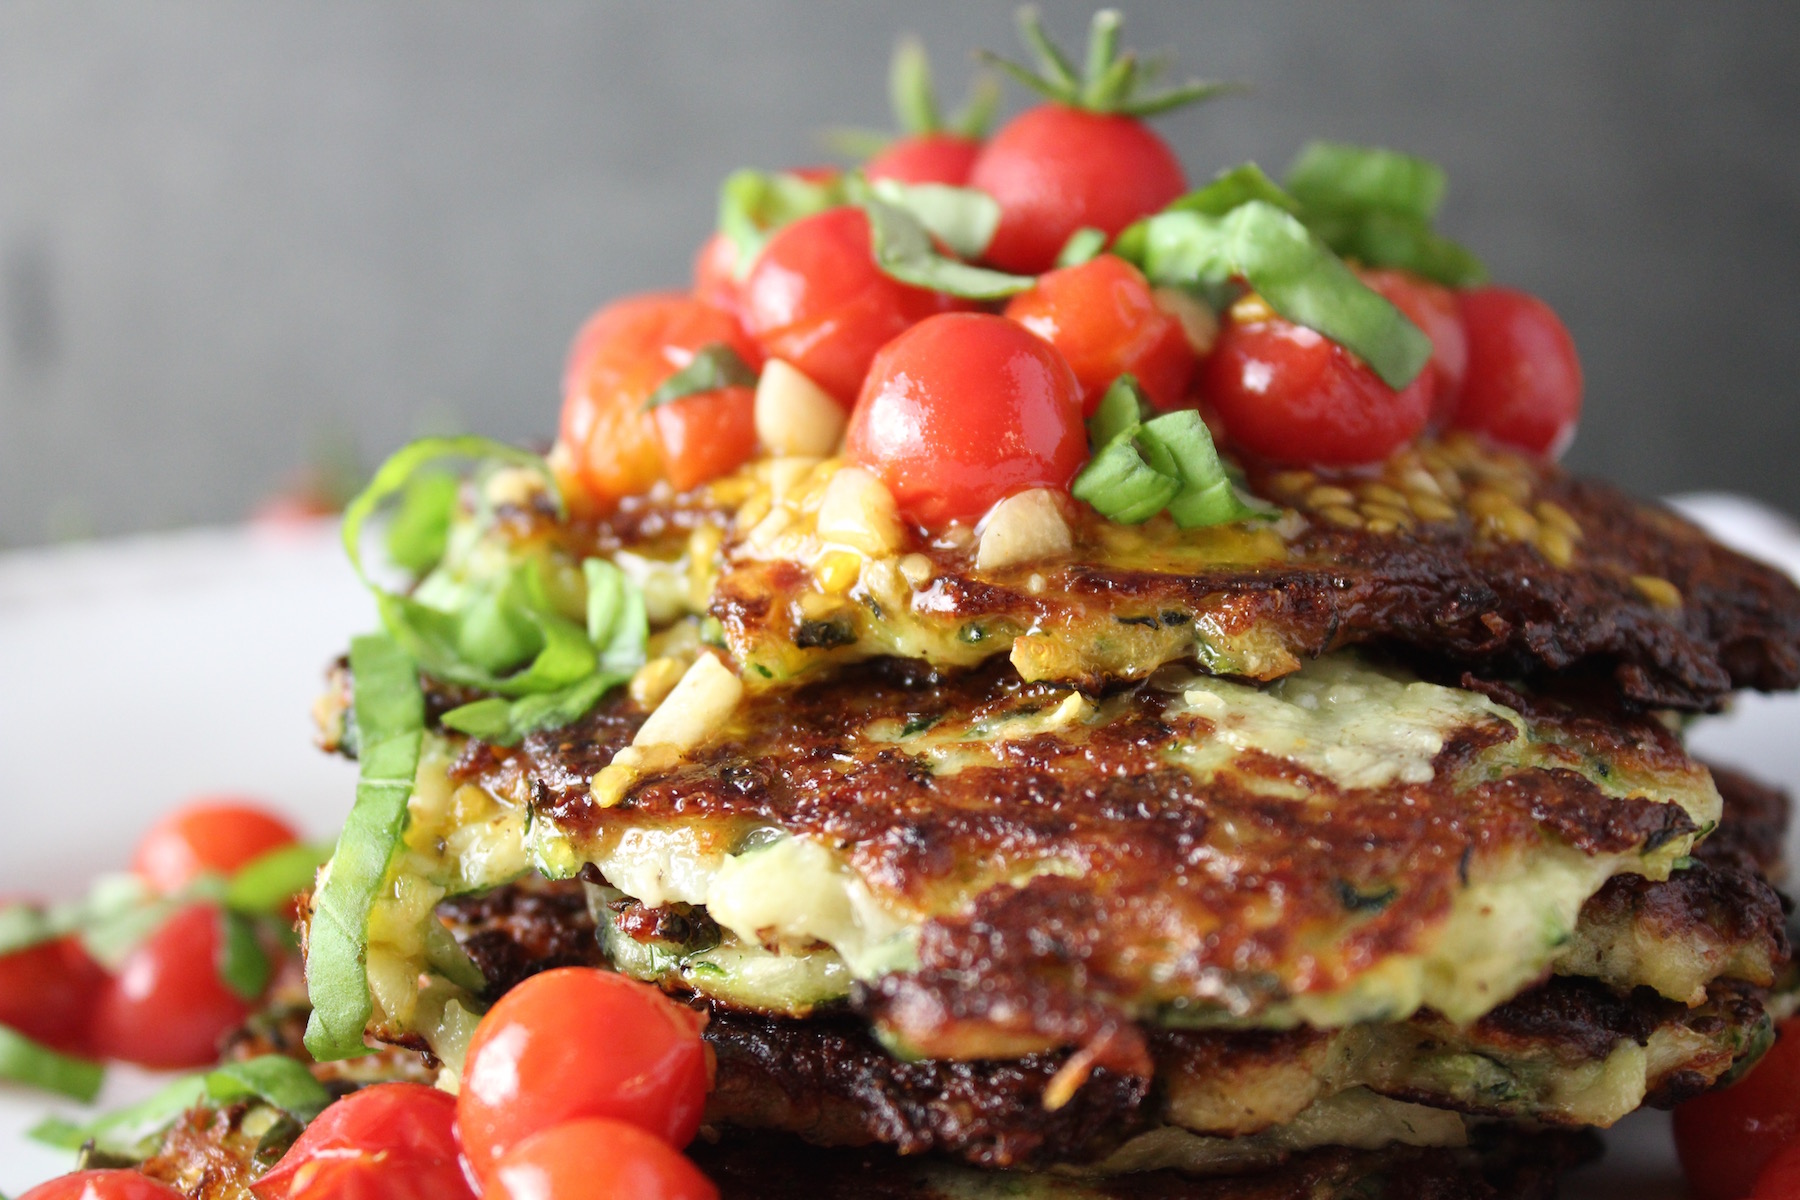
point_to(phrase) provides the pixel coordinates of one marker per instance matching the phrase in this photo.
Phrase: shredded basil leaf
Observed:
(25, 1061)
(273, 1078)
(1376, 206)
(265, 885)
(505, 635)
(715, 366)
(1295, 272)
(754, 205)
(962, 218)
(1334, 175)
(133, 1133)
(421, 526)
(1142, 467)
(617, 626)
(390, 716)
(1232, 187)
(903, 250)
(1084, 245)
(244, 966)
(447, 957)
(23, 926)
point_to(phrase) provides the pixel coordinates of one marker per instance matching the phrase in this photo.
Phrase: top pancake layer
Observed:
(1454, 551)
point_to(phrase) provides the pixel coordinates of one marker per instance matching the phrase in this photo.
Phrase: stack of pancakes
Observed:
(1356, 849)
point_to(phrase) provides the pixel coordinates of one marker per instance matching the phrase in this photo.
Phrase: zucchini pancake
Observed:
(1081, 692)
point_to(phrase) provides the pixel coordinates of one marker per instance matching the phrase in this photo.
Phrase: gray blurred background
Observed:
(236, 238)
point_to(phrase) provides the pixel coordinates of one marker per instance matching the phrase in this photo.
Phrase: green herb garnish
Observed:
(1083, 246)
(1141, 467)
(715, 366)
(1377, 206)
(25, 1061)
(1295, 272)
(904, 250)
(390, 719)
(264, 885)
(133, 1133)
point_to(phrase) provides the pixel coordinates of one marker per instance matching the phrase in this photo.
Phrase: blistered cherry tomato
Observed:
(393, 1141)
(48, 993)
(1725, 1137)
(597, 1159)
(167, 1007)
(926, 158)
(1780, 1180)
(1291, 395)
(623, 354)
(1433, 308)
(715, 274)
(964, 410)
(816, 299)
(102, 1185)
(1524, 382)
(1056, 169)
(1103, 319)
(209, 835)
(575, 1043)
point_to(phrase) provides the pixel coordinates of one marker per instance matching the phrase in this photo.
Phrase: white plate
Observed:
(135, 674)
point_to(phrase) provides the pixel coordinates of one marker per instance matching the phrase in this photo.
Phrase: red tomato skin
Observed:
(215, 834)
(167, 1006)
(1780, 1180)
(1433, 308)
(1724, 1138)
(926, 158)
(1524, 384)
(1103, 319)
(1056, 169)
(597, 1159)
(816, 299)
(706, 436)
(964, 410)
(624, 353)
(1291, 395)
(715, 274)
(102, 1185)
(408, 1131)
(48, 992)
(574, 1043)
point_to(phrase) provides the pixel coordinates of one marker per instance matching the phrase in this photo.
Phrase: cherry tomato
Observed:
(926, 158)
(1780, 1180)
(623, 354)
(964, 410)
(48, 993)
(1524, 382)
(574, 1043)
(1725, 1137)
(209, 835)
(597, 1159)
(715, 274)
(102, 1185)
(167, 1007)
(1056, 169)
(1292, 395)
(816, 298)
(393, 1141)
(1103, 319)
(1433, 309)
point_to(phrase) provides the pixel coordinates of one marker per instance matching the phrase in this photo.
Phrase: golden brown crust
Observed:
(1454, 550)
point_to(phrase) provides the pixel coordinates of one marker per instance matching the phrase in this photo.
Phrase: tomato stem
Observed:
(1110, 80)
